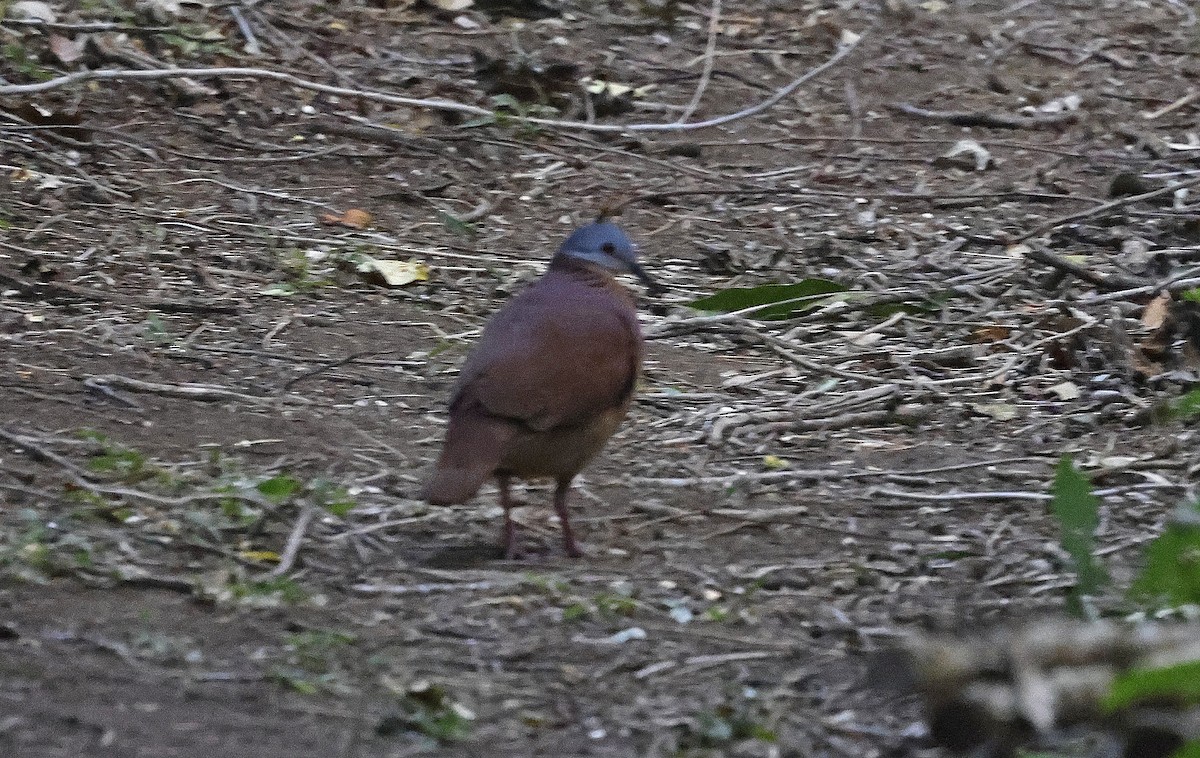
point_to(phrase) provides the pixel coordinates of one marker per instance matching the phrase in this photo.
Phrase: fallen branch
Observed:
(328, 366)
(292, 549)
(438, 104)
(710, 49)
(41, 454)
(425, 588)
(990, 693)
(61, 290)
(993, 120)
(1106, 282)
(1106, 207)
(111, 51)
(186, 391)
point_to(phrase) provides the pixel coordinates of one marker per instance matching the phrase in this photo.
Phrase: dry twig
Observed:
(433, 104)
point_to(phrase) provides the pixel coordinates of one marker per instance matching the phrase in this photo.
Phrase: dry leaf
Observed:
(65, 49)
(998, 411)
(162, 11)
(966, 153)
(354, 218)
(1066, 391)
(737, 25)
(614, 89)
(991, 333)
(265, 556)
(1156, 312)
(394, 273)
(31, 10)
(1143, 365)
(1191, 356)
(1065, 104)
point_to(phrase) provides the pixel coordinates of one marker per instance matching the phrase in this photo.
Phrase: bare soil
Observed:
(786, 498)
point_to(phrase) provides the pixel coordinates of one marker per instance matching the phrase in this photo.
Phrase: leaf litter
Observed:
(918, 402)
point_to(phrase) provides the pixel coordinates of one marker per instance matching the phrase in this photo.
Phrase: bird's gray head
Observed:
(604, 244)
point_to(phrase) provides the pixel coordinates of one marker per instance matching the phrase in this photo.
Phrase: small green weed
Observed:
(122, 463)
(313, 650)
(1171, 575)
(605, 605)
(35, 551)
(1078, 514)
(311, 662)
(24, 62)
(279, 589)
(739, 718)
(508, 111)
(428, 710)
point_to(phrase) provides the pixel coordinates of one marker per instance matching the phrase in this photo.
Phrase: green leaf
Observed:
(331, 497)
(1190, 750)
(1078, 514)
(1186, 406)
(456, 225)
(340, 508)
(278, 489)
(1193, 295)
(505, 100)
(1179, 683)
(779, 301)
(574, 612)
(487, 120)
(1171, 575)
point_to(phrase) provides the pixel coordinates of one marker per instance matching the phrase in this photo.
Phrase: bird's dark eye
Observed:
(608, 248)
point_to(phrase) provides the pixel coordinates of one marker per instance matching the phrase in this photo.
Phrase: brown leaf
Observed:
(1156, 312)
(65, 49)
(1142, 365)
(991, 333)
(354, 218)
(1061, 356)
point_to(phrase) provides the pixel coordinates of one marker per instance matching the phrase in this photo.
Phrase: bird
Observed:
(549, 381)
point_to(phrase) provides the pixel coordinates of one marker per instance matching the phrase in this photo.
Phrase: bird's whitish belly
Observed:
(562, 451)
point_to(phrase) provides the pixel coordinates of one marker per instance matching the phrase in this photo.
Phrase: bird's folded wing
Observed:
(552, 373)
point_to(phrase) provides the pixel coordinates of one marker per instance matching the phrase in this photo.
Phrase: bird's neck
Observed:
(585, 271)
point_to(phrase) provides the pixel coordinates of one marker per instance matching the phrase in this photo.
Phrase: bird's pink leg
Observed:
(510, 526)
(564, 517)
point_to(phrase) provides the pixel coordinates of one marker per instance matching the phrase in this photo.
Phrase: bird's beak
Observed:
(654, 287)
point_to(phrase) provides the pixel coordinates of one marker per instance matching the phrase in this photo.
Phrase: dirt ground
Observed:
(215, 427)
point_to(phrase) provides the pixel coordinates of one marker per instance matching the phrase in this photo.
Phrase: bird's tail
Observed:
(474, 446)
